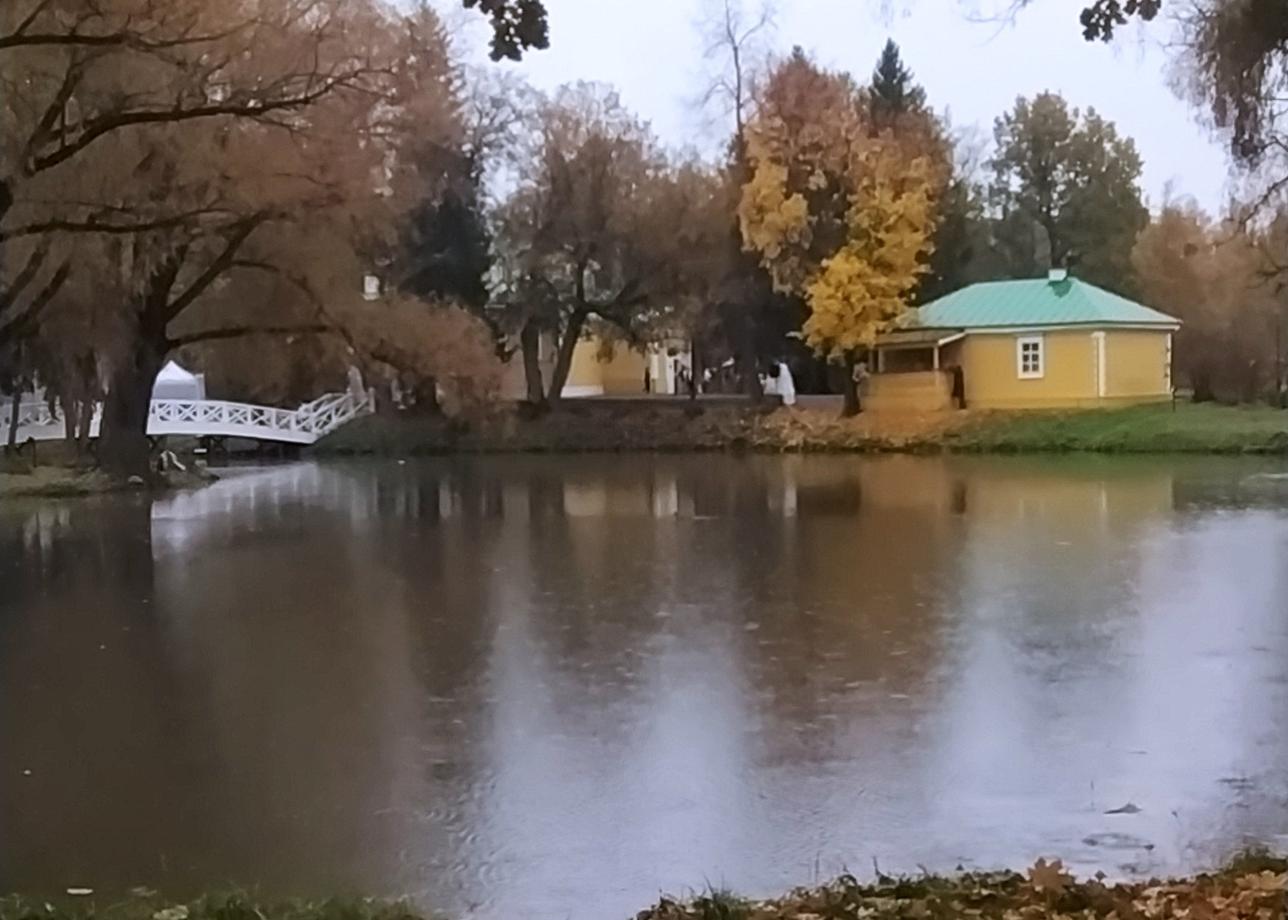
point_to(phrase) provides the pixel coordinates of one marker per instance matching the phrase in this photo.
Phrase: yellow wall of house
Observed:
(1135, 370)
(585, 370)
(619, 375)
(1136, 364)
(624, 374)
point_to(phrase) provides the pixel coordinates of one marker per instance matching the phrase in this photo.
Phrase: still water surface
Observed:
(552, 687)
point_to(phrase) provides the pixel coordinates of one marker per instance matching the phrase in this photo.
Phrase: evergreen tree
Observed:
(894, 94)
(446, 242)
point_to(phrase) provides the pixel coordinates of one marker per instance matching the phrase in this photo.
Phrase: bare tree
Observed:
(735, 46)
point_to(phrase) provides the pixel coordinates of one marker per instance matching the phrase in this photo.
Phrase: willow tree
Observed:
(213, 140)
(840, 214)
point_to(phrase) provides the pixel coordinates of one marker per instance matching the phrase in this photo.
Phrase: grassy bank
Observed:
(592, 425)
(67, 482)
(54, 482)
(1189, 428)
(1250, 888)
(679, 426)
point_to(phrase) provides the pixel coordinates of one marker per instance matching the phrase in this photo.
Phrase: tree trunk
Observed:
(850, 388)
(1201, 381)
(748, 359)
(13, 418)
(85, 426)
(125, 450)
(71, 412)
(563, 360)
(530, 343)
(695, 369)
(427, 401)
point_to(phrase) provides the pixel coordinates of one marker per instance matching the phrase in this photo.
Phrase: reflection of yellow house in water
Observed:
(1033, 344)
(602, 368)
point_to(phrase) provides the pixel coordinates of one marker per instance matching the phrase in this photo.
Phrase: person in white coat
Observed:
(786, 385)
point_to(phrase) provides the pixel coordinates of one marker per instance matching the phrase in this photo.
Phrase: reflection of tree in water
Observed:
(845, 599)
(591, 546)
(91, 702)
(315, 639)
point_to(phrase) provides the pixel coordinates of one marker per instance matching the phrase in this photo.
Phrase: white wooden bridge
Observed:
(216, 418)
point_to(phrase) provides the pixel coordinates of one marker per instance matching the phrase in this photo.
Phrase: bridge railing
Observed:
(220, 418)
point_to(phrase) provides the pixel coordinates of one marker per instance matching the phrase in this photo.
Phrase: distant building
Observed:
(173, 382)
(600, 368)
(1034, 344)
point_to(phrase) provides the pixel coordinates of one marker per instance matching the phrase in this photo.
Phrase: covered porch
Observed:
(917, 370)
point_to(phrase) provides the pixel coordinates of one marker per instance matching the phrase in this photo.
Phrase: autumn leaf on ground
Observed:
(1049, 876)
(1264, 881)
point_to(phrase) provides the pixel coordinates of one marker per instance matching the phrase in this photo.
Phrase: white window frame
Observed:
(1020, 342)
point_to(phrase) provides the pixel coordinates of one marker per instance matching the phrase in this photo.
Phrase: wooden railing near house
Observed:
(911, 391)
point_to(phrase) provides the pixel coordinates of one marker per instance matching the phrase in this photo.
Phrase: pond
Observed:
(554, 686)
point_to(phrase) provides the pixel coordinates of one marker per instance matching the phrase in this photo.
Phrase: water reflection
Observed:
(554, 686)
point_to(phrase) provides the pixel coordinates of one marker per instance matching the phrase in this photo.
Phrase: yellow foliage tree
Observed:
(840, 214)
(862, 289)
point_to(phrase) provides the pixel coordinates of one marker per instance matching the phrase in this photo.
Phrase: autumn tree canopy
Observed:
(172, 152)
(1218, 278)
(589, 232)
(839, 213)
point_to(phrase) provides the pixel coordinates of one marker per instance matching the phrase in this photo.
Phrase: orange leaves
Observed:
(839, 216)
(1049, 877)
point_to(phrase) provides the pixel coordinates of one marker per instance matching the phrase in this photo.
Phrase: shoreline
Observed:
(730, 426)
(619, 426)
(47, 482)
(1251, 886)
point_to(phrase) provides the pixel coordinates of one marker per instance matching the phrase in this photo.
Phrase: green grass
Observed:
(1189, 428)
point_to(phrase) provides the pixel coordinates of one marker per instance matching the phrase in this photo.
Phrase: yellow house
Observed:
(608, 369)
(1033, 344)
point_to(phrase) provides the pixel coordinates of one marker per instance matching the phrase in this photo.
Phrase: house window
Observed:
(1030, 357)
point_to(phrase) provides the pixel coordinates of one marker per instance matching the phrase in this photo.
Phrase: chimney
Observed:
(1056, 275)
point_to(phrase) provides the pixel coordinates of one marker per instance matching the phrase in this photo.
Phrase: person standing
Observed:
(786, 384)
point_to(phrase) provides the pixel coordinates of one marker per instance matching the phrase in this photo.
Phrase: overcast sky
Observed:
(651, 51)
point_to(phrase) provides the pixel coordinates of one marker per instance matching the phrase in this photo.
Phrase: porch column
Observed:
(936, 357)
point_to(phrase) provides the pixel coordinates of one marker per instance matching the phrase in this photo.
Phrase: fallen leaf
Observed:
(1049, 876)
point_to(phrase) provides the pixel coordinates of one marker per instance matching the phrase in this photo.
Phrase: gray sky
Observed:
(650, 50)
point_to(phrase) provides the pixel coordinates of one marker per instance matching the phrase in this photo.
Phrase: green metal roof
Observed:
(1035, 302)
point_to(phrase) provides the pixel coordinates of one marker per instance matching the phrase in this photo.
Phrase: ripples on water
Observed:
(551, 687)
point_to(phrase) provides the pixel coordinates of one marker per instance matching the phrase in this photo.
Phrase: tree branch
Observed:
(121, 38)
(24, 323)
(220, 264)
(237, 332)
(256, 108)
(94, 225)
(10, 294)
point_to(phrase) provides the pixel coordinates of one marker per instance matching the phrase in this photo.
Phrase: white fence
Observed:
(215, 418)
